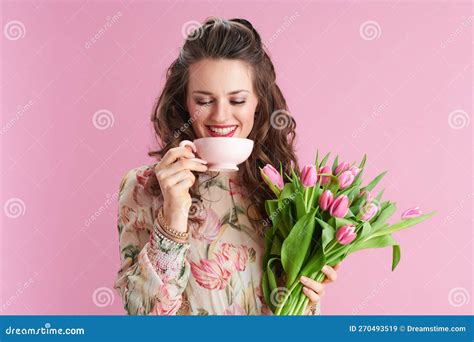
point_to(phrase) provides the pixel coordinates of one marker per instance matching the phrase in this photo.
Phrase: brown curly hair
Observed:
(273, 130)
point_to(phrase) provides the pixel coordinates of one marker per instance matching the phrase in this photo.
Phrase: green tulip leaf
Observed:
(366, 230)
(315, 263)
(271, 206)
(386, 212)
(339, 222)
(335, 163)
(265, 288)
(374, 242)
(276, 246)
(328, 234)
(324, 160)
(362, 163)
(269, 236)
(287, 191)
(395, 256)
(403, 224)
(295, 246)
(272, 282)
(375, 181)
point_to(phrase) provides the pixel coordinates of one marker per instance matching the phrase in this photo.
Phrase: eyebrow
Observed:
(209, 93)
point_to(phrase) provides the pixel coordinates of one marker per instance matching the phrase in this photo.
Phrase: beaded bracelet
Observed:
(168, 230)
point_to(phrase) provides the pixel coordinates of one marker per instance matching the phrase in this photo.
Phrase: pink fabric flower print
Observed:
(142, 176)
(237, 255)
(235, 310)
(166, 306)
(141, 191)
(210, 274)
(209, 229)
(137, 217)
(125, 213)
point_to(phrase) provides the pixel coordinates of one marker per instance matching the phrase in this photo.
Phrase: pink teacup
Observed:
(221, 153)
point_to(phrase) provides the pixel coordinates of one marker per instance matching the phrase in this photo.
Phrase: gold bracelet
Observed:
(167, 236)
(168, 229)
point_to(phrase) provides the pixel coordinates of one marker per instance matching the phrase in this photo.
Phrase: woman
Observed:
(191, 240)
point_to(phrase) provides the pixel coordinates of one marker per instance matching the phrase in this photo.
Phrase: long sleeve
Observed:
(154, 271)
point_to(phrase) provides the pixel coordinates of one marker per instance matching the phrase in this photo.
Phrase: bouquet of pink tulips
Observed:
(320, 217)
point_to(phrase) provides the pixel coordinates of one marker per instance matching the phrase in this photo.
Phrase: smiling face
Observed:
(221, 99)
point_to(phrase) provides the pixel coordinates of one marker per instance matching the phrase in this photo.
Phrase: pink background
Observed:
(390, 79)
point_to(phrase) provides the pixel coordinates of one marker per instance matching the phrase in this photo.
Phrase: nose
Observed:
(221, 112)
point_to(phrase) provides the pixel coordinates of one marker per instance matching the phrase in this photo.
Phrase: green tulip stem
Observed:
(285, 299)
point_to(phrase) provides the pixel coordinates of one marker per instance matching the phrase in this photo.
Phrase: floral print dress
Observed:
(217, 272)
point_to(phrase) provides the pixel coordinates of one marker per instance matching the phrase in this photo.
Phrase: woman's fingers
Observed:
(184, 164)
(188, 144)
(178, 177)
(174, 154)
(331, 274)
(312, 296)
(327, 280)
(313, 285)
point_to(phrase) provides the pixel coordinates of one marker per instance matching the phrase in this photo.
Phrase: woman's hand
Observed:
(174, 175)
(315, 290)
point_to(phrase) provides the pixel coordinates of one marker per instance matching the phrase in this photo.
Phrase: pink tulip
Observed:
(355, 170)
(343, 166)
(346, 234)
(345, 179)
(369, 197)
(273, 176)
(326, 200)
(308, 175)
(325, 179)
(412, 212)
(340, 206)
(369, 211)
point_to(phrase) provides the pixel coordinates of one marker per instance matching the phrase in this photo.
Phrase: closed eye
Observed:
(204, 103)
